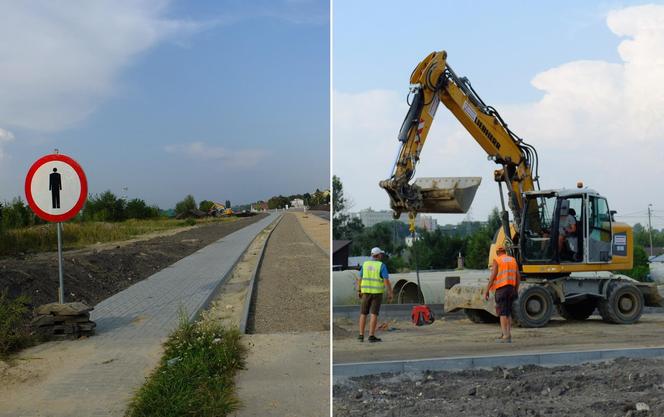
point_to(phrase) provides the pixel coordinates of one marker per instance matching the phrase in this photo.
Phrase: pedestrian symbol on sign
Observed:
(55, 185)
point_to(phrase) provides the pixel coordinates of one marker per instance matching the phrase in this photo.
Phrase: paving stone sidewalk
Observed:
(131, 326)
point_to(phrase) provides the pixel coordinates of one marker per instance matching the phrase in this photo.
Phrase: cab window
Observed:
(537, 231)
(599, 230)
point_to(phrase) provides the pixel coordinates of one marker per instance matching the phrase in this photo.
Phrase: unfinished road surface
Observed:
(621, 388)
(293, 288)
(288, 369)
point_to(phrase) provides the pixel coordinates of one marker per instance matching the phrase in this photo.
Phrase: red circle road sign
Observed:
(56, 187)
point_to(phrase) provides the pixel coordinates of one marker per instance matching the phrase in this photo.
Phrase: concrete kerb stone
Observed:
(252, 283)
(213, 294)
(348, 370)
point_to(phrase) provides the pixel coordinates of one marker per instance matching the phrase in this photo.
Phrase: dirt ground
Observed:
(455, 335)
(316, 228)
(228, 305)
(96, 273)
(293, 286)
(618, 388)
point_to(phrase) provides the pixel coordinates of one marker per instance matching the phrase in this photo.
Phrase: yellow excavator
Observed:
(566, 241)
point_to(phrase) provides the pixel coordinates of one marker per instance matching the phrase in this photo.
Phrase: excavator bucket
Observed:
(447, 194)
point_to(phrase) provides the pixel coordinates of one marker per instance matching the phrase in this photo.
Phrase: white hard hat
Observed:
(376, 251)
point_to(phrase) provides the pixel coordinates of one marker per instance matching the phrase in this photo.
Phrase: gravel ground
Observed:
(92, 275)
(293, 286)
(617, 388)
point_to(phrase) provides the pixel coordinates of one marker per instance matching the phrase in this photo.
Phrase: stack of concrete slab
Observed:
(56, 321)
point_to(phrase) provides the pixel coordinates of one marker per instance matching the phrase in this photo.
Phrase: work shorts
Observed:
(371, 303)
(504, 298)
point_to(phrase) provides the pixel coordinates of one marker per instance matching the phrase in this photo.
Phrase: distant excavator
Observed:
(566, 241)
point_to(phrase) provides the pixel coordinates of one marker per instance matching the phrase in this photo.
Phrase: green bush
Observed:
(105, 207)
(196, 374)
(185, 205)
(14, 320)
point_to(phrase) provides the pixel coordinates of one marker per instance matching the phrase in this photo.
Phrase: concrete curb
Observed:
(213, 294)
(252, 284)
(347, 370)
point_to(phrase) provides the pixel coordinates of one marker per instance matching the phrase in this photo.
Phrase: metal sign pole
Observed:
(61, 289)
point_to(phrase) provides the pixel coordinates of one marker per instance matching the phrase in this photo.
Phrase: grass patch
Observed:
(196, 374)
(76, 235)
(14, 324)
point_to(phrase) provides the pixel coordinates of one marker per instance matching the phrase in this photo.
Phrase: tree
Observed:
(205, 205)
(278, 202)
(105, 207)
(186, 205)
(479, 243)
(640, 269)
(16, 214)
(138, 209)
(338, 200)
(343, 226)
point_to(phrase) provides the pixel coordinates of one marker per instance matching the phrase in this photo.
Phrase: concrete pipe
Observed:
(406, 290)
(344, 287)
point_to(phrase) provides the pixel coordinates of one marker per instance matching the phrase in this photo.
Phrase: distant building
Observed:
(370, 217)
(297, 203)
(355, 262)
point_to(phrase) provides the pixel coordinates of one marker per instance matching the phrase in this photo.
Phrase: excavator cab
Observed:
(567, 226)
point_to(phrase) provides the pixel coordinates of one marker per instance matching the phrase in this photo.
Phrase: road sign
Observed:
(56, 187)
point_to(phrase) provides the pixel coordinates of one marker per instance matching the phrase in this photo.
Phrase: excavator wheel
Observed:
(577, 311)
(623, 304)
(533, 307)
(480, 316)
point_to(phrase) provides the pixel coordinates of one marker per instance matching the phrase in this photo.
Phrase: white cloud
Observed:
(598, 121)
(59, 59)
(236, 158)
(5, 137)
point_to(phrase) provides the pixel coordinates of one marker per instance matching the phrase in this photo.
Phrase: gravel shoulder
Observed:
(613, 389)
(288, 367)
(293, 288)
(317, 228)
(96, 273)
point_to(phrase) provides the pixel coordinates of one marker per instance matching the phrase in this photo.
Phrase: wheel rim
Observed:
(535, 306)
(626, 304)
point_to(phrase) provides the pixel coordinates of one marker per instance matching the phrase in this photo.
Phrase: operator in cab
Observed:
(504, 281)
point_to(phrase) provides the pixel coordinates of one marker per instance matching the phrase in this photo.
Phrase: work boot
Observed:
(360, 337)
(374, 339)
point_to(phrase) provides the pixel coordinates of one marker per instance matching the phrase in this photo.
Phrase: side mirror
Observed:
(613, 213)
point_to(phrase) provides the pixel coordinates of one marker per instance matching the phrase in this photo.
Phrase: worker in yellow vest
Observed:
(504, 281)
(374, 279)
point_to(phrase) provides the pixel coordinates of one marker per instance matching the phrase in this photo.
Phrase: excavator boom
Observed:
(433, 81)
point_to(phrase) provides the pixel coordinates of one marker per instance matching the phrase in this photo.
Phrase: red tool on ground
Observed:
(420, 314)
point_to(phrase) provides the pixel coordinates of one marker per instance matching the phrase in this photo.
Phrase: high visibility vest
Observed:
(507, 270)
(371, 282)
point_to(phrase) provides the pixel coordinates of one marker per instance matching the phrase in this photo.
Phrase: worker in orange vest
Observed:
(504, 281)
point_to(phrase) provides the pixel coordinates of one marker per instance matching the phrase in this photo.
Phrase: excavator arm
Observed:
(432, 82)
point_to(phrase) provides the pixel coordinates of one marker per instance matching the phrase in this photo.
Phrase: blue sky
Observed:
(220, 99)
(579, 80)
